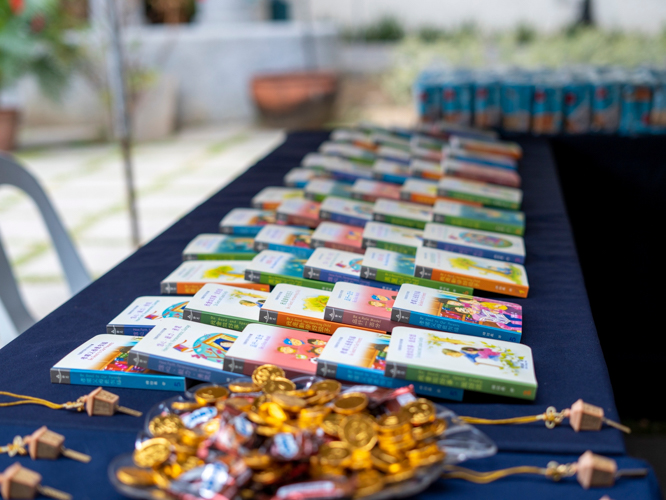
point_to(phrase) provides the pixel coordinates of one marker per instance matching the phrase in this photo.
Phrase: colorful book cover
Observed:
(271, 197)
(461, 361)
(476, 242)
(426, 169)
(299, 177)
(320, 189)
(220, 247)
(370, 191)
(246, 221)
(391, 237)
(480, 173)
(294, 240)
(395, 154)
(419, 191)
(500, 148)
(331, 265)
(390, 171)
(141, 315)
(190, 276)
(272, 267)
(353, 355)
(348, 151)
(102, 361)
(187, 349)
(455, 313)
(395, 268)
(338, 236)
(427, 148)
(343, 211)
(361, 306)
(489, 219)
(487, 194)
(225, 306)
(402, 213)
(475, 272)
(486, 159)
(295, 351)
(298, 212)
(338, 168)
(298, 307)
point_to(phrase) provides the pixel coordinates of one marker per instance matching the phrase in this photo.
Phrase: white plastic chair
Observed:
(12, 173)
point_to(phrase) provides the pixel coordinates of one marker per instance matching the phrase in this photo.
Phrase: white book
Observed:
(141, 315)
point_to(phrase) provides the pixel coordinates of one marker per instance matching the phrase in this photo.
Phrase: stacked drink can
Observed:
(576, 100)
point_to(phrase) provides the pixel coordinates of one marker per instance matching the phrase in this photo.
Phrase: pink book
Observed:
(339, 237)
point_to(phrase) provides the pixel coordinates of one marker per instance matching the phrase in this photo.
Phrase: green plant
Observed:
(33, 41)
(386, 29)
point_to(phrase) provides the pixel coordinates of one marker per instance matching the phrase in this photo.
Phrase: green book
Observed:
(397, 269)
(461, 361)
(402, 213)
(489, 219)
(319, 189)
(271, 267)
(225, 306)
(391, 237)
(489, 195)
(220, 247)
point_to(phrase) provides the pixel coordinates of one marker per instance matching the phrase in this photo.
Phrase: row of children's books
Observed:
(347, 274)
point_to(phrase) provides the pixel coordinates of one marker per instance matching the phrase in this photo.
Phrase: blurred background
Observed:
(212, 85)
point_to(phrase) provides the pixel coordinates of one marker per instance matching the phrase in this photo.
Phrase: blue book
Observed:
(338, 168)
(290, 239)
(246, 221)
(353, 355)
(345, 211)
(185, 348)
(330, 265)
(141, 315)
(103, 361)
(456, 313)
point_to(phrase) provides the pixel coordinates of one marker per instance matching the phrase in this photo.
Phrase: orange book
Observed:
(192, 275)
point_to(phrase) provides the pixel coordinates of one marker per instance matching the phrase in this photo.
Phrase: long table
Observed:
(558, 326)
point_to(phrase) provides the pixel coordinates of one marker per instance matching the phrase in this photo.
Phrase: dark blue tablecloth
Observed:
(558, 326)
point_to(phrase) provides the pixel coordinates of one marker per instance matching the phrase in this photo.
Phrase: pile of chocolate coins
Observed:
(268, 438)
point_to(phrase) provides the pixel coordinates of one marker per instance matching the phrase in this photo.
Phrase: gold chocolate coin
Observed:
(331, 424)
(264, 373)
(185, 405)
(289, 403)
(420, 411)
(335, 454)
(350, 403)
(278, 384)
(152, 453)
(210, 395)
(392, 422)
(332, 386)
(256, 460)
(358, 431)
(132, 476)
(165, 425)
(243, 387)
(368, 482)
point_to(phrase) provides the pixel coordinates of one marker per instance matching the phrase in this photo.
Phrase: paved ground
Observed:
(85, 183)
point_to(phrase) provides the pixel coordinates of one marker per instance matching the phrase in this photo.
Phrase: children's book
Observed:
(272, 267)
(426, 169)
(426, 148)
(455, 313)
(220, 247)
(461, 361)
(338, 236)
(298, 212)
(246, 221)
(402, 213)
(489, 219)
(187, 349)
(419, 191)
(361, 306)
(142, 314)
(487, 194)
(271, 197)
(370, 191)
(444, 130)
(102, 361)
(349, 135)
(190, 276)
(475, 272)
(386, 266)
(481, 173)
(350, 212)
(476, 242)
(391, 237)
(390, 171)
(298, 307)
(348, 151)
(225, 306)
(353, 355)
(294, 240)
(486, 159)
(394, 154)
(295, 351)
(499, 148)
(299, 177)
(327, 264)
(320, 189)
(338, 168)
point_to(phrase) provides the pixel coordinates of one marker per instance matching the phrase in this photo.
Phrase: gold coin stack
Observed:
(285, 435)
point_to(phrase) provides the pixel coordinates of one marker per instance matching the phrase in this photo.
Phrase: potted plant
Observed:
(32, 42)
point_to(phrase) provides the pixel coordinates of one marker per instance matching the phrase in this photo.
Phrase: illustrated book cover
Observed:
(294, 240)
(272, 267)
(246, 221)
(271, 197)
(481, 173)
(488, 195)
(140, 316)
(402, 213)
(339, 236)
(488, 219)
(390, 171)
(371, 191)
(338, 168)
(420, 191)
(220, 247)
(424, 169)
(499, 148)
(391, 237)
(344, 211)
(320, 189)
(191, 275)
(298, 212)
(299, 177)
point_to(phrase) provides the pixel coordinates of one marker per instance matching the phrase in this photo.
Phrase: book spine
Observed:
(219, 256)
(399, 221)
(213, 319)
(238, 367)
(337, 246)
(354, 319)
(331, 276)
(298, 322)
(241, 230)
(276, 279)
(118, 379)
(484, 200)
(303, 253)
(476, 252)
(393, 179)
(298, 220)
(452, 326)
(460, 381)
(387, 245)
(130, 330)
(173, 367)
(397, 279)
(473, 282)
(423, 199)
(498, 227)
(342, 219)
